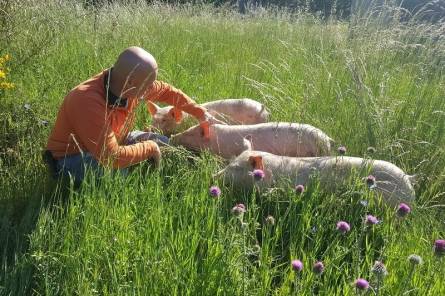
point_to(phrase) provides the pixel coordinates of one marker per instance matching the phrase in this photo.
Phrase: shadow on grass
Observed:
(20, 211)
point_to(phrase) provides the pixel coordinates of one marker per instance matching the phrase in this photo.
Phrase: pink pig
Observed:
(290, 139)
(230, 111)
(385, 178)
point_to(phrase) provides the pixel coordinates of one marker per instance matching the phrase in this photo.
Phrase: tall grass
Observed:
(158, 231)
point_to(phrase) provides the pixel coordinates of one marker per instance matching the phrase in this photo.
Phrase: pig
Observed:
(391, 182)
(230, 111)
(280, 138)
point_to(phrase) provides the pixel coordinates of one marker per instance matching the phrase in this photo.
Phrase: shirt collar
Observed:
(111, 99)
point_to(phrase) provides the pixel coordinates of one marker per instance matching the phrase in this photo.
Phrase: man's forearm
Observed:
(163, 92)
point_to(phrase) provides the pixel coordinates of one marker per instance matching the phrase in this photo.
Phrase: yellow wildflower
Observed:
(6, 85)
(4, 73)
(4, 59)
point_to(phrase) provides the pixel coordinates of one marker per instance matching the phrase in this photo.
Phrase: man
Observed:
(93, 125)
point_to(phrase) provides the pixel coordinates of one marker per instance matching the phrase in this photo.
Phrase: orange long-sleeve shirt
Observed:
(86, 122)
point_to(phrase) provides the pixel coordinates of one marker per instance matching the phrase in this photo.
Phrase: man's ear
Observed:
(257, 162)
(152, 108)
(176, 114)
(247, 143)
(205, 128)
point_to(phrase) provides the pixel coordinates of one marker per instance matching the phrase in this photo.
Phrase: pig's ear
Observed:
(247, 143)
(152, 108)
(176, 114)
(205, 129)
(257, 162)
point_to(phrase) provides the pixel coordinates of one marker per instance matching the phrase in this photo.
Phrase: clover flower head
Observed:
(297, 265)
(341, 150)
(439, 247)
(214, 191)
(371, 150)
(239, 209)
(258, 175)
(299, 189)
(318, 267)
(361, 284)
(379, 269)
(343, 227)
(370, 181)
(415, 259)
(403, 210)
(270, 220)
(371, 220)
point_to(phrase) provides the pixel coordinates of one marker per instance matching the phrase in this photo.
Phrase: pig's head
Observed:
(240, 170)
(196, 138)
(165, 119)
(394, 184)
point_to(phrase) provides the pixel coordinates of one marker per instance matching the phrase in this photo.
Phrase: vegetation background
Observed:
(372, 80)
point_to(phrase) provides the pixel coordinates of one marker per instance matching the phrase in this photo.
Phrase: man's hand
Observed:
(211, 119)
(156, 156)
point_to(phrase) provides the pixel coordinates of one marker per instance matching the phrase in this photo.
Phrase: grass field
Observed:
(158, 232)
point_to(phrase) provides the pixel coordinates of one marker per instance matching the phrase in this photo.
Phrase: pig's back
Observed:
(287, 139)
(238, 111)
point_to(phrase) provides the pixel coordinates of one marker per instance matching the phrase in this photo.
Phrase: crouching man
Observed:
(93, 125)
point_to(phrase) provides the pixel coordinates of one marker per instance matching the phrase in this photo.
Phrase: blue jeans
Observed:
(75, 166)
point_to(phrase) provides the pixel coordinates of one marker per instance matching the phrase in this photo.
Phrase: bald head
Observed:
(133, 73)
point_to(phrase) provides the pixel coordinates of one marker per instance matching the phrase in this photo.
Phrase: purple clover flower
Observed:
(214, 191)
(297, 265)
(371, 220)
(403, 210)
(299, 189)
(370, 181)
(318, 267)
(361, 284)
(258, 175)
(439, 247)
(239, 209)
(341, 150)
(343, 227)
